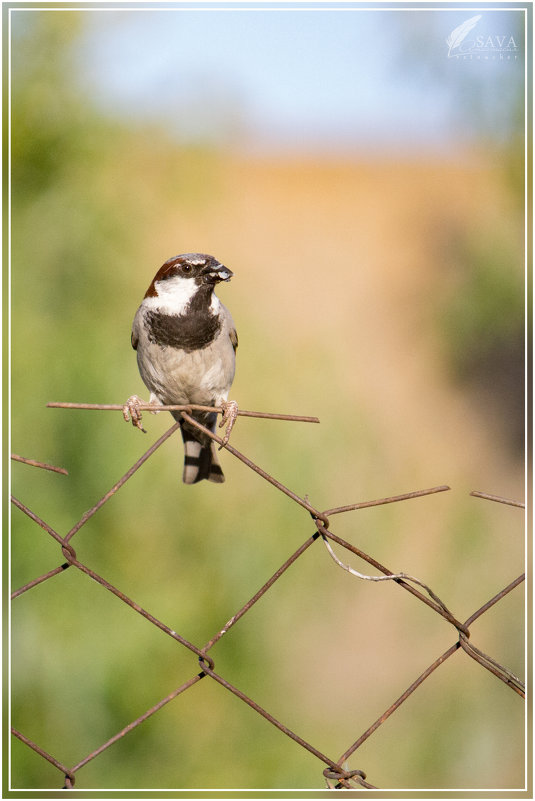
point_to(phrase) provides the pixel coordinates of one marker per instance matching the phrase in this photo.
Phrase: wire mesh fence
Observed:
(335, 771)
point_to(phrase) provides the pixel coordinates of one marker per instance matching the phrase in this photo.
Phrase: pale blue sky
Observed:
(301, 78)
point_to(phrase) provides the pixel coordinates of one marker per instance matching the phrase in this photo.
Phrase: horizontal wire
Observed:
(151, 407)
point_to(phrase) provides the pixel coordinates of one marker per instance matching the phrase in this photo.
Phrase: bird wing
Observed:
(233, 334)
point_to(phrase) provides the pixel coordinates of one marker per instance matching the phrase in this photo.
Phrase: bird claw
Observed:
(230, 414)
(132, 412)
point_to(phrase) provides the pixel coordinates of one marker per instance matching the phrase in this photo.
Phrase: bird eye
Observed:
(186, 268)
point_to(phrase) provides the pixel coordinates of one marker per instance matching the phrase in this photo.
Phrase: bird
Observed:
(185, 341)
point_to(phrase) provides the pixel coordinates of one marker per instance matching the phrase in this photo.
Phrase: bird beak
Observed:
(213, 275)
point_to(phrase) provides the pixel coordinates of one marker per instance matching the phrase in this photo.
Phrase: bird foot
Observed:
(132, 412)
(230, 414)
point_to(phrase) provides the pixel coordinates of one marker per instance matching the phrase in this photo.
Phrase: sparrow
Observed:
(185, 341)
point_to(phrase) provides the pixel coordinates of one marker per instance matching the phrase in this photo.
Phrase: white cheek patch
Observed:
(173, 295)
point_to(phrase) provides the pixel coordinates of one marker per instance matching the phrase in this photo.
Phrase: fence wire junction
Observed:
(335, 774)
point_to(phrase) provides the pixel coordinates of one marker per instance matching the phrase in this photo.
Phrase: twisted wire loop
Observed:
(337, 774)
(500, 671)
(343, 778)
(491, 665)
(402, 579)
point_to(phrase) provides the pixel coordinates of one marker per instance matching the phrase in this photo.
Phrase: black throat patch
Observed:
(193, 330)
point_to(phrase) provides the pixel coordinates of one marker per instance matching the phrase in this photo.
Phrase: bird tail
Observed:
(200, 458)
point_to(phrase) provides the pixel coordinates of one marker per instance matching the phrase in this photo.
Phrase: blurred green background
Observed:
(374, 220)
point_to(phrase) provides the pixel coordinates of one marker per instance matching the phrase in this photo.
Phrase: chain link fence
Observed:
(335, 772)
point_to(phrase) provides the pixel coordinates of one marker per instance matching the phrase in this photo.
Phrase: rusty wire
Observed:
(498, 499)
(43, 465)
(335, 774)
